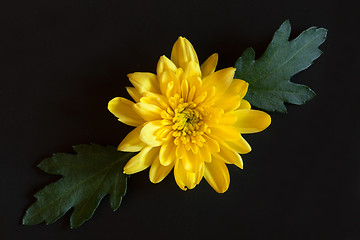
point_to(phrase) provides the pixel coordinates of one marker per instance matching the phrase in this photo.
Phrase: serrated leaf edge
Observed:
(24, 219)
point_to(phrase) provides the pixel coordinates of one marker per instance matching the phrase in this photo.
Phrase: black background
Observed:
(62, 61)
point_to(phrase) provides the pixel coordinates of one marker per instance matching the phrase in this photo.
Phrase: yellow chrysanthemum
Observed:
(187, 117)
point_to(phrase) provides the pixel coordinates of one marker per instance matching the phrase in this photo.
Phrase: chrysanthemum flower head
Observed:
(188, 118)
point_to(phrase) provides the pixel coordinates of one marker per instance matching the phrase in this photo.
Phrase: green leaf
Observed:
(269, 76)
(87, 177)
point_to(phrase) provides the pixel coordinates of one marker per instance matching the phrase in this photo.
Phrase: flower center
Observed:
(187, 118)
(188, 125)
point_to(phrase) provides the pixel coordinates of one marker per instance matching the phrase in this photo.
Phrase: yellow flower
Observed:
(187, 117)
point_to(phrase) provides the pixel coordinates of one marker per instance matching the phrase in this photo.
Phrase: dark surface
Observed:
(62, 61)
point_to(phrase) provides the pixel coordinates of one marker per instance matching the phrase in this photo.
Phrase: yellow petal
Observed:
(186, 179)
(179, 72)
(225, 132)
(141, 161)
(228, 155)
(251, 121)
(228, 118)
(167, 153)
(180, 151)
(220, 79)
(165, 132)
(209, 66)
(240, 145)
(183, 179)
(122, 109)
(165, 78)
(217, 175)
(192, 70)
(165, 64)
(148, 133)
(199, 175)
(192, 162)
(205, 153)
(244, 104)
(144, 82)
(238, 87)
(180, 177)
(135, 94)
(191, 94)
(183, 52)
(148, 112)
(184, 89)
(228, 102)
(158, 172)
(192, 75)
(132, 142)
(205, 94)
(156, 99)
(211, 143)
